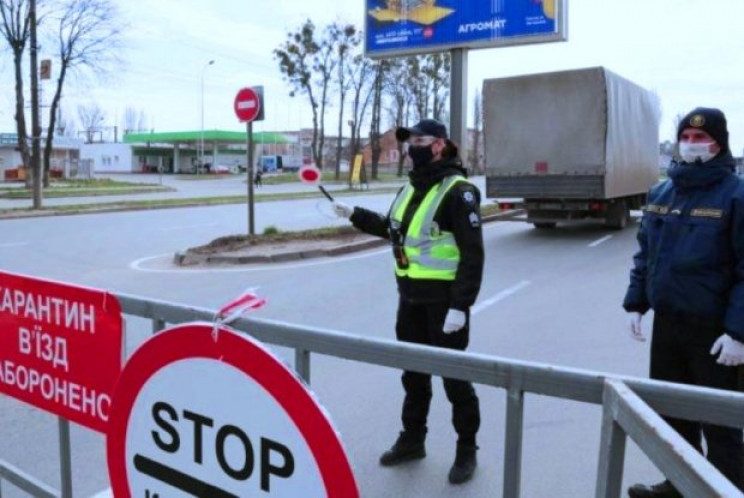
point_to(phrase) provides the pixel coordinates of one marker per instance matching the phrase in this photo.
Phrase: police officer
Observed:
(434, 226)
(690, 271)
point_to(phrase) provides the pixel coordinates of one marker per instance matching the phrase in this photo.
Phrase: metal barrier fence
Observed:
(631, 406)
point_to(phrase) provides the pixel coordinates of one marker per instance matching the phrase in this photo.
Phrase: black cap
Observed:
(429, 127)
(711, 121)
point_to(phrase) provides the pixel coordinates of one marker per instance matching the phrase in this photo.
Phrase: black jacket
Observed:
(458, 213)
(691, 258)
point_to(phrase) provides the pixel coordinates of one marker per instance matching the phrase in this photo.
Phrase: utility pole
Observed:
(35, 128)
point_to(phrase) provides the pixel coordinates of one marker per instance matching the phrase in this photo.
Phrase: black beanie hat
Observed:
(711, 121)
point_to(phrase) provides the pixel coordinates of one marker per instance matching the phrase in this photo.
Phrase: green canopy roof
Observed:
(232, 137)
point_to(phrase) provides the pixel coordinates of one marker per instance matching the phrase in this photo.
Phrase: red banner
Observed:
(60, 347)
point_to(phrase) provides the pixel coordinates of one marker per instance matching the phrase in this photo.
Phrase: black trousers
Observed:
(422, 324)
(680, 352)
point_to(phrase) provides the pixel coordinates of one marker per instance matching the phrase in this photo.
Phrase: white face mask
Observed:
(690, 152)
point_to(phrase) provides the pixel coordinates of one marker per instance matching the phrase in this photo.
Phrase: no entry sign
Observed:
(247, 105)
(60, 347)
(195, 416)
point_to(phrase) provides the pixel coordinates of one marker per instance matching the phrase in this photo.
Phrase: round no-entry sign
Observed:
(247, 104)
(195, 416)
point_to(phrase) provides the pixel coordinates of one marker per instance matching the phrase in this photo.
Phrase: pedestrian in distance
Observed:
(257, 178)
(434, 226)
(690, 272)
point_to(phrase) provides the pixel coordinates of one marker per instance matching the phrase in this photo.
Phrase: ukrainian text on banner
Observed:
(60, 347)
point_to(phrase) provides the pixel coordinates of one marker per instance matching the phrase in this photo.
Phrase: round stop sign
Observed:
(199, 414)
(247, 104)
(309, 174)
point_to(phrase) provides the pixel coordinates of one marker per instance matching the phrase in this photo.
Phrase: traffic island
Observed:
(292, 248)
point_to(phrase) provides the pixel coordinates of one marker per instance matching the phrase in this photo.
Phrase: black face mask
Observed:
(421, 156)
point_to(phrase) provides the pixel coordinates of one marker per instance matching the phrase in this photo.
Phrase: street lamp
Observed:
(200, 152)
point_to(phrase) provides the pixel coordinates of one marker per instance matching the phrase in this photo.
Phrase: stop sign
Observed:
(247, 105)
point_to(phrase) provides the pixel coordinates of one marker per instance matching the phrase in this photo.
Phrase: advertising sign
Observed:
(201, 410)
(60, 347)
(404, 27)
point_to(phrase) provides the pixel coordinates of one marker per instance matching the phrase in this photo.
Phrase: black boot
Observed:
(465, 463)
(664, 489)
(409, 446)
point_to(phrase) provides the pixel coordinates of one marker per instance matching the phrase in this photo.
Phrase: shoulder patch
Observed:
(474, 219)
(468, 197)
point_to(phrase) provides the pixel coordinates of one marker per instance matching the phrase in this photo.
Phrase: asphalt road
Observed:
(548, 296)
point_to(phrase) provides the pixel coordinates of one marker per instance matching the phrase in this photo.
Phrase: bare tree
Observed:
(375, 126)
(134, 120)
(65, 127)
(427, 77)
(142, 121)
(88, 37)
(361, 72)
(16, 31)
(437, 68)
(400, 100)
(345, 38)
(130, 119)
(91, 119)
(324, 65)
(296, 62)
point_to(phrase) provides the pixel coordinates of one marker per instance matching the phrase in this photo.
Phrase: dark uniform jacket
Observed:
(458, 213)
(691, 258)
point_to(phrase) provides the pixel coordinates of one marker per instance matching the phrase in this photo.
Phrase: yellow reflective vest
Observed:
(431, 252)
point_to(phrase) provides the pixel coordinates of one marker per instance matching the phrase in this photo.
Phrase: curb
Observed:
(186, 258)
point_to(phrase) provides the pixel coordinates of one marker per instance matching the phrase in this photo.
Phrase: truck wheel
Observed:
(618, 215)
(544, 224)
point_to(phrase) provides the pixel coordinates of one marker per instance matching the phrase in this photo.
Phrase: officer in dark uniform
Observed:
(690, 271)
(434, 226)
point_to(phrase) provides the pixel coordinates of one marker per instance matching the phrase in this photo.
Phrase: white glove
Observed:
(342, 210)
(732, 351)
(636, 330)
(454, 321)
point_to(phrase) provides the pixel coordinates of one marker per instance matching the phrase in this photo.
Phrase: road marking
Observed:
(188, 227)
(599, 241)
(14, 244)
(137, 264)
(481, 305)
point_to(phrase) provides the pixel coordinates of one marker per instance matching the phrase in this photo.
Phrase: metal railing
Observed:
(630, 405)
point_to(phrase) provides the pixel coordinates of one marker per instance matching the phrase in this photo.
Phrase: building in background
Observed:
(64, 161)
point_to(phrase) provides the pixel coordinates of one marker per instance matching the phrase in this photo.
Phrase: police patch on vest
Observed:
(707, 213)
(468, 197)
(474, 219)
(655, 208)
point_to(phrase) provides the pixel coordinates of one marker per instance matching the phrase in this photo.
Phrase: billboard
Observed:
(405, 27)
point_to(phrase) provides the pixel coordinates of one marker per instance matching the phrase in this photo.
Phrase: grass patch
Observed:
(196, 201)
(87, 188)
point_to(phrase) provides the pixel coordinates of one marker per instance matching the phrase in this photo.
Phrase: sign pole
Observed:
(459, 101)
(249, 170)
(248, 107)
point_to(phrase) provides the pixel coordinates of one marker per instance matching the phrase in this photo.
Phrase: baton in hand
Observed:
(325, 193)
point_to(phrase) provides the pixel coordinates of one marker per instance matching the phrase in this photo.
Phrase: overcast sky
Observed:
(691, 52)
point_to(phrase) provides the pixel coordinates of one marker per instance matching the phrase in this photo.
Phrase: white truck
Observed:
(570, 145)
